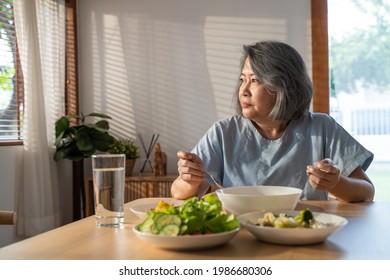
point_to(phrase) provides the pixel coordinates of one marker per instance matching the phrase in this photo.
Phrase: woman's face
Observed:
(256, 101)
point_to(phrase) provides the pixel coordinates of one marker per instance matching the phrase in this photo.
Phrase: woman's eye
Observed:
(255, 81)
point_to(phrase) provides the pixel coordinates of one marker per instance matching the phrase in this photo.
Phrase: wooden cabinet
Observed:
(135, 187)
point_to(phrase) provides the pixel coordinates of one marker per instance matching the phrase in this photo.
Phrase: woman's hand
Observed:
(323, 175)
(190, 168)
(190, 181)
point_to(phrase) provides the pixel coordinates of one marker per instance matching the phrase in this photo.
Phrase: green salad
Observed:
(194, 216)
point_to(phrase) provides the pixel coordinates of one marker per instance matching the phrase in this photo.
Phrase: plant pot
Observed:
(129, 167)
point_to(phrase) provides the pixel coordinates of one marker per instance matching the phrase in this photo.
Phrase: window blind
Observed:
(11, 80)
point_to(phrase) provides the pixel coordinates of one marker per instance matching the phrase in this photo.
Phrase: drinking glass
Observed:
(109, 188)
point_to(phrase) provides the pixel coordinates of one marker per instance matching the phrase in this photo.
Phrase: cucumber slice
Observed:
(165, 220)
(148, 226)
(171, 230)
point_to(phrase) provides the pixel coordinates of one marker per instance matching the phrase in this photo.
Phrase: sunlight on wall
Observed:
(147, 73)
(224, 37)
(111, 86)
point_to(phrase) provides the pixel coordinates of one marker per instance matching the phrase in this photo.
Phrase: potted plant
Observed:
(76, 142)
(125, 146)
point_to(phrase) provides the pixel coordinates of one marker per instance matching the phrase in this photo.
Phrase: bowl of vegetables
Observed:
(292, 227)
(244, 199)
(194, 224)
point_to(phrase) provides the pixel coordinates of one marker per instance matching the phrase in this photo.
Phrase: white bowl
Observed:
(141, 210)
(244, 199)
(186, 242)
(292, 236)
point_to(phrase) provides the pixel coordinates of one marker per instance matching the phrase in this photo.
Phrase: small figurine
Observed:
(160, 161)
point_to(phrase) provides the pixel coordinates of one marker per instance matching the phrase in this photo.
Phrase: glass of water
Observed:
(109, 188)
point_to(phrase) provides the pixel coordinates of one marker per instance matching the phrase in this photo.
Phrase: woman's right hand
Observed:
(190, 181)
(190, 168)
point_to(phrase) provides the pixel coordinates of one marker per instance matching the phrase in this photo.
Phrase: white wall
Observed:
(165, 66)
(170, 67)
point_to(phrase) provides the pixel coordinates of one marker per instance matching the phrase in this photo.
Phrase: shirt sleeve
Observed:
(209, 149)
(345, 150)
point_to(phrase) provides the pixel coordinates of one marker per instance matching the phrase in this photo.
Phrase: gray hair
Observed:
(281, 70)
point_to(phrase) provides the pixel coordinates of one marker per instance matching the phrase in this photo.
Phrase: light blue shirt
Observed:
(235, 153)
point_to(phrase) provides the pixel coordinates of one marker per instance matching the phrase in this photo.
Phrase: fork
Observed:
(215, 181)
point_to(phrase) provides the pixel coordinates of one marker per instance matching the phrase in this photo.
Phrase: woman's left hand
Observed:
(323, 175)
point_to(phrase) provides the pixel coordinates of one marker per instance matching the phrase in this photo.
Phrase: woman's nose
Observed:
(245, 89)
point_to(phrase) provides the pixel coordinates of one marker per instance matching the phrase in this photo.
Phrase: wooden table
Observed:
(366, 236)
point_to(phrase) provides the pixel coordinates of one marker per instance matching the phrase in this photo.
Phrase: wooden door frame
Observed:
(72, 103)
(319, 33)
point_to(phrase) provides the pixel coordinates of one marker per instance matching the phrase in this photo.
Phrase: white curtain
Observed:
(40, 29)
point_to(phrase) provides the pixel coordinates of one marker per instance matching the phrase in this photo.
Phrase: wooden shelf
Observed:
(135, 187)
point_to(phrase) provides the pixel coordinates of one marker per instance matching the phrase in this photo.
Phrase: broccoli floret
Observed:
(305, 217)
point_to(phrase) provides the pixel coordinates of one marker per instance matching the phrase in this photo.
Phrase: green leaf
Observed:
(63, 141)
(59, 140)
(104, 116)
(63, 152)
(103, 124)
(66, 137)
(83, 140)
(102, 141)
(93, 126)
(221, 223)
(61, 125)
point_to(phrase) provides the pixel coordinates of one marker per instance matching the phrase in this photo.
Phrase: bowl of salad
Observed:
(194, 224)
(292, 227)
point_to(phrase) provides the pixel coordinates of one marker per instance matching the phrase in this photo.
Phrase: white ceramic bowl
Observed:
(292, 236)
(244, 199)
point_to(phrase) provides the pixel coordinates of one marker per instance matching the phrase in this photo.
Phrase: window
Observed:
(11, 81)
(11, 78)
(359, 68)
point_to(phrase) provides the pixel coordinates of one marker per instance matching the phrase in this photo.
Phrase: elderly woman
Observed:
(274, 139)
